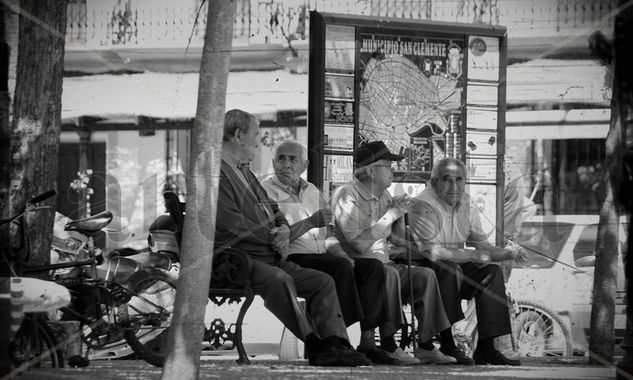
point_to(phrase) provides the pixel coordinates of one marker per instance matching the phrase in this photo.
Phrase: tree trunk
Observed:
(601, 344)
(185, 335)
(602, 339)
(36, 122)
(623, 93)
(9, 30)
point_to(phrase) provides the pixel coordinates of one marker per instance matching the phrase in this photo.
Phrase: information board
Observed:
(428, 90)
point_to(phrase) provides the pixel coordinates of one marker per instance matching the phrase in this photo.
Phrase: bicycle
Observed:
(34, 344)
(107, 299)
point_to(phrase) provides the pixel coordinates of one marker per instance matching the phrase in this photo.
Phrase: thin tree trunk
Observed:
(185, 336)
(36, 123)
(601, 344)
(623, 82)
(9, 31)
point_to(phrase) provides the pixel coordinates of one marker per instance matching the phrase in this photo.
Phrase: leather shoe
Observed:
(494, 357)
(339, 357)
(376, 355)
(460, 355)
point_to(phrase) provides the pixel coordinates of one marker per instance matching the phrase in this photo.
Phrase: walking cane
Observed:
(407, 236)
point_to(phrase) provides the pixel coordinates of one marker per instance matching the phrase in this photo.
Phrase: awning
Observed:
(558, 124)
(174, 96)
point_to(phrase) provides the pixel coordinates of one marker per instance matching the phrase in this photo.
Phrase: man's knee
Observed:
(279, 277)
(370, 266)
(323, 281)
(423, 275)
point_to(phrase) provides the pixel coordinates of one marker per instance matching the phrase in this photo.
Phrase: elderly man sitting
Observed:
(369, 220)
(360, 282)
(443, 219)
(248, 219)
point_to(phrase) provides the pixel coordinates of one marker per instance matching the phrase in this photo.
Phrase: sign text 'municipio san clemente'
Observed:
(420, 48)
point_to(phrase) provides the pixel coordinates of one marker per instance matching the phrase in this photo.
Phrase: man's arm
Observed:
(424, 224)
(333, 246)
(317, 220)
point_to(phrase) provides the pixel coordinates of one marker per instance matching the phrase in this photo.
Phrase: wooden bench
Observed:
(230, 283)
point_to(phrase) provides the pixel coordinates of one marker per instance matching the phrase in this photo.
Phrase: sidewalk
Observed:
(269, 368)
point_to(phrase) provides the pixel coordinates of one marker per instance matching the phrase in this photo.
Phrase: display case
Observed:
(427, 89)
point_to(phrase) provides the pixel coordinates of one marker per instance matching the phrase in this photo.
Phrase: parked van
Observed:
(552, 292)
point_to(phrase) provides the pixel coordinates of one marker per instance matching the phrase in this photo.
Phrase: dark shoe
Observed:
(494, 357)
(333, 356)
(460, 355)
(376, 355)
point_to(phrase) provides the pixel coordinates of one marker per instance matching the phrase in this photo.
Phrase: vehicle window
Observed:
(586, 244)
(543, 241)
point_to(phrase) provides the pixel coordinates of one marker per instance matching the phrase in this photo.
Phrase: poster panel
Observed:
(410, 85)
(339, 137)
(339, 86)
(482, 94)
(484, 198)
(483, 58)
(337, 169)
(340, 48)
(481, 169)
(338, 112)
(481, 118)
(481, 144)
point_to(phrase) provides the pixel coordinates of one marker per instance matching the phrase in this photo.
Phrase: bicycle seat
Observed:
(91, 224)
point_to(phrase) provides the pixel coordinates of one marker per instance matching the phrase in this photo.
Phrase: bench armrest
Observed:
(231, 269)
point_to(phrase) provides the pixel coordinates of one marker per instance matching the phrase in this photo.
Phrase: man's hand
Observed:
(516, 253)
(401, 202)
(321, 218)
(483, 257)
(281, 240)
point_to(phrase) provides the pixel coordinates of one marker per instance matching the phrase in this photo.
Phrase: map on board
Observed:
(409, 88)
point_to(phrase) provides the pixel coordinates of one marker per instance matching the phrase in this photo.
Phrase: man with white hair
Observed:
(443, 220)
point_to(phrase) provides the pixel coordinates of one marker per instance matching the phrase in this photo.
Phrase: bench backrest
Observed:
(231, 267)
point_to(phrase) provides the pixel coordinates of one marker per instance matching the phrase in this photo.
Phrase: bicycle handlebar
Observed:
(35, 200)
(42, 197)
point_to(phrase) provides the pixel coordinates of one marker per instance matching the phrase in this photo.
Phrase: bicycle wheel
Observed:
(35, 345)
(150, 313)
(539, 331)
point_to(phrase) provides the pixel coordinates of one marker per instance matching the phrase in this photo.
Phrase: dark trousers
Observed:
(357, 287)
(485, 284)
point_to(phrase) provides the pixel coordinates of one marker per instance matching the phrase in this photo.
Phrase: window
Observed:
(586, 244)
(543, 242)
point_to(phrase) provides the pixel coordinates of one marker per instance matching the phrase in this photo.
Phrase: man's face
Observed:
(383, 175)
(289, 164)
(451, 184)
(249, 141)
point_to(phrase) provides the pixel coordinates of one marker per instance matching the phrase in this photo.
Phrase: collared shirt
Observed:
(355, 210)
(297, 206)
(434, 222)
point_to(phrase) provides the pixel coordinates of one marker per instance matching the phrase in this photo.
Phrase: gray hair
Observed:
(292, 143)
(362, 173)
(236, 119)
(443, 164)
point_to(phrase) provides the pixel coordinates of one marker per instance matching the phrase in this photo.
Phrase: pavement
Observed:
(269, 367)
